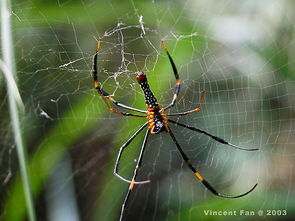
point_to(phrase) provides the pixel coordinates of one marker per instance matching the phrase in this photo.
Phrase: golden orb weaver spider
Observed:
(157, 123)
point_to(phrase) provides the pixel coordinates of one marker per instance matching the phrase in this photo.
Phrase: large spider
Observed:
(157, 123)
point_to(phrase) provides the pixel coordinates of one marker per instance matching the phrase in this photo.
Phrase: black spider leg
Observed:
(134, 174)
(199, 176)
(106, 95)
(177, 86)
(122, 148)
(218, 139)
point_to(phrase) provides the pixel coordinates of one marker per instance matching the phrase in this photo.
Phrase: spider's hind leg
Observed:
(200, 177)
(218, 139)
(122, 148)
(131, 186)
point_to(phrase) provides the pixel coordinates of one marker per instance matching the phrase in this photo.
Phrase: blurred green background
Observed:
(240, 52)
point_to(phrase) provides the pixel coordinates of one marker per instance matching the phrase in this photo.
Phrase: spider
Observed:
(157, 123)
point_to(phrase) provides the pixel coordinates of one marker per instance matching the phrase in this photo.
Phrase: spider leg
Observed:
(134, 174)
(122, 148)
(177, 86)
(218, 139)
(191, 111)
(199, 176)
(106, 95)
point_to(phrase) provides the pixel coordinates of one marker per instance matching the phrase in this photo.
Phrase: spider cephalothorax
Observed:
(158, 122)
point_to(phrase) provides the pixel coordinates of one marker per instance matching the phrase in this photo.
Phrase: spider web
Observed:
(239, 52)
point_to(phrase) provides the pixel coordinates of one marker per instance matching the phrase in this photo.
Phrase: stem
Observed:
(8, 58)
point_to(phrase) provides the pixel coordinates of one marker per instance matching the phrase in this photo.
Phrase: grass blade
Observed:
(8, 58)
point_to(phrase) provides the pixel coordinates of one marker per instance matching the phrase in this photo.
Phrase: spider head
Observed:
(141, 77)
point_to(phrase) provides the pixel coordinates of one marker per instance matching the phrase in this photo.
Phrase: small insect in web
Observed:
(157, 122)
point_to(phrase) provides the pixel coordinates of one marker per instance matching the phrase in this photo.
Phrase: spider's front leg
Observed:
(106, 95)
(177, 88)
(178, 81)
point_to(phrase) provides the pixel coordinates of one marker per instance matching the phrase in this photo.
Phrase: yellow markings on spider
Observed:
(164, 46)
(198, 175)
(114, 110)
(96, 84)
(151, 127)
(152, 123)
(131, 185)
(165, 119)
(98, 46)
